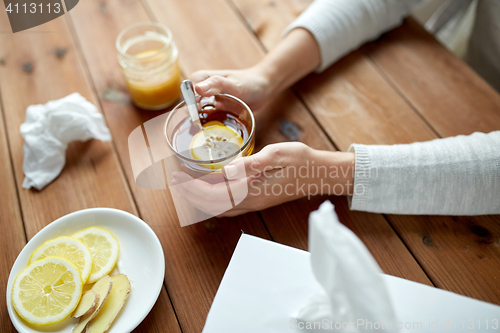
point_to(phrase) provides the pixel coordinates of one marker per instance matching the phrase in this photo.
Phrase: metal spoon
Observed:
(190, 99)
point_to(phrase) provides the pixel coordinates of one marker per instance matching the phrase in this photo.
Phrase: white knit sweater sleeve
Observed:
(340, 26)
(453, 176)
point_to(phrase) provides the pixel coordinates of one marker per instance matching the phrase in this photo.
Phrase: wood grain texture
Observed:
(351, 100)
(355, 104)
(269, 18)
(442, 88)
(214, 17)
(196, 256)
(290, 224)
(461, 254)
(89, 165)
(12, 237)
(436, 87)
(361, 99)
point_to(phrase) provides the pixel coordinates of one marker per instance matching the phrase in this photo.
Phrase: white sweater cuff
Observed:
(452, 176)
(361, 189)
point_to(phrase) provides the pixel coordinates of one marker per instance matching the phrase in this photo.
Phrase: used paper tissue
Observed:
(48, 130)
(351, 280)
(268, 286)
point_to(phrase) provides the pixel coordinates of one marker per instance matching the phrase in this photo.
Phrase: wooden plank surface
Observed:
(435, 88)
(364, 98)
(287, 223)
(448, 94)
(196, 256)
(460, 254)
(195, 270)
(351, 100)
(88, 165)
(453, 100)
(12, 236)
(355, 104)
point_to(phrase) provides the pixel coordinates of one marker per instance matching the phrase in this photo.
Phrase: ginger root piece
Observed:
(116, 300)
(103, 288)
(87, 304)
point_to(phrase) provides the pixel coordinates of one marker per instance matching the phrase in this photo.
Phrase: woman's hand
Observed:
(250, 85)
(278, 173)
(293, 58)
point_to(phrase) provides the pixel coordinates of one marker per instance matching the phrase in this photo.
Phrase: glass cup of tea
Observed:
(226, 132)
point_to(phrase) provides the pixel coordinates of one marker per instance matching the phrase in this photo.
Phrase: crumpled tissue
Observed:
(48, 130)
(353, 287)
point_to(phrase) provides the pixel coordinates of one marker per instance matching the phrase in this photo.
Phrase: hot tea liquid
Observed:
(223, 134)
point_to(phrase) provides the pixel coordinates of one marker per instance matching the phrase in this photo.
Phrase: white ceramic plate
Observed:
(141, 259)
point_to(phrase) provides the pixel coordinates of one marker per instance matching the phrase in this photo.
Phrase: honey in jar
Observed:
(148, 58)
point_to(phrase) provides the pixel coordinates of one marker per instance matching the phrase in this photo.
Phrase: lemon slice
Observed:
(214, 141)
(67, 248)
(104, 248)
(47, 291)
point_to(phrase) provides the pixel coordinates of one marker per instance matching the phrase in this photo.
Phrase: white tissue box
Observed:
(266, 283)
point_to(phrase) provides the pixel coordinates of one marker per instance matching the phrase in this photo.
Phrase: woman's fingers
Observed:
(199, 187)
(216, 192)
(213, 208)
(252, 165)
(217, 84)
(211, 198)
(234, 212)
(271, 157)
(202, 75)
(199, 76)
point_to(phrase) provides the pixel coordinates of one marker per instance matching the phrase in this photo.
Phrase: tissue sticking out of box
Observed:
(353, 287)
(48, 130)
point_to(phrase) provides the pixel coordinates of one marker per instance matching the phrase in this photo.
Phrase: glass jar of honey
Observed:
(148, 58)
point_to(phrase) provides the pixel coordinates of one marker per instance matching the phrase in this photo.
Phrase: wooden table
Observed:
(404, 87)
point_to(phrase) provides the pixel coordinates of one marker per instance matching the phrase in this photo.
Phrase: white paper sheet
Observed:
(266, 282)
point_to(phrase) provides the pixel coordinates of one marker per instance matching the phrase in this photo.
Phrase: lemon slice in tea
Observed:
(214, 141)
(47, 291)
